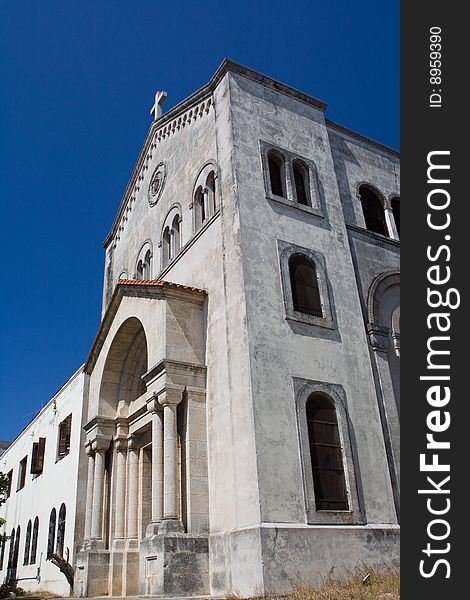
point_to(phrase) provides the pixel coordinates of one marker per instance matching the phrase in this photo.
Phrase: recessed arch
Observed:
(126, 362)
(373, 208)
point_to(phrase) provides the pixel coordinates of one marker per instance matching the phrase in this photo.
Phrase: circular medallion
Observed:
(157, 183)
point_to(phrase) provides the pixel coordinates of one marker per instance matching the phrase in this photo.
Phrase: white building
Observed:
(44, 465)
(241, 422)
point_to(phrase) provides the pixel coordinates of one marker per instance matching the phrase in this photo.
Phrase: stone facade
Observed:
(198, 444)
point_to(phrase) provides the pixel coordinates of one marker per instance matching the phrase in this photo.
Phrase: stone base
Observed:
(272, 559)
(107, 573)
(91, 573)
(174, 564)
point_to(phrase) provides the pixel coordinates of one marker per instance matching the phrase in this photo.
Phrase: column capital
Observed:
(89, 449)
(101, 443)
(153, 404)
(133, 442)
(120, 443)
(170, 396)
(378, 337)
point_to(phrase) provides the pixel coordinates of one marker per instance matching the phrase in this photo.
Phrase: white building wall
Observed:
(57, 484)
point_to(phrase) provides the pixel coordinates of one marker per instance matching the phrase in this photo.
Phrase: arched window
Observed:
(16, 551)
(166, 246)
(211, 196)
(27, 544)
(61, 531)
(51, 537)
(302, 183)
(304, 285)
(276, 174)
(373, 210)
(171, 236)
(396, 213)
(326, 455)
(199, 208)
(2, 549)
(143, 270)
(34, 542)
(12, 549)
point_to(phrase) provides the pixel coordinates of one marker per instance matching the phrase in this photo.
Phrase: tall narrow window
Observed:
(211, 198)
(2, 549)
(61, 531)
(147, 264)
(396, 213)
(12, 549)
(301, 181)
(166, 243)
(37, 459)
(326, 455)
(16, 550)
(304, 285)
(27, 544)
(199, 207)
(22, 473)
(276, 174)
(373, 210)
(63, 442)
(175, 236)
(51, 536)
(34, 541)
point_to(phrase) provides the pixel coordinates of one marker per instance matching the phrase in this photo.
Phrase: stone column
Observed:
(89, 492)
(205, 201)
(390, 221)
(379, 340)
(157, 465)
(171, 519)
(99, 445)
(120, 503)
(133, 488)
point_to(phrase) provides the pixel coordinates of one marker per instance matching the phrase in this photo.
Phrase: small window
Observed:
(276, 174)
(374, 214)
(37, 459)
(302, 184)
(34, 541)
(51, 536)
(326, 454)
(61, 531)
(304, 284)
(199, 208)
(22, 473)
(63, 444)
(27, 544)
(396, 213)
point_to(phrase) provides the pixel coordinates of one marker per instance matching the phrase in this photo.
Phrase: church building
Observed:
(235, 428)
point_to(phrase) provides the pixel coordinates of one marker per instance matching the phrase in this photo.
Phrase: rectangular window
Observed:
(10, 479)
(37, 460)
(22, 473)
(63, 443)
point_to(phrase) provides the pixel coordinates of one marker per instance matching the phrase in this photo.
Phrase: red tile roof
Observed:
(158, 282)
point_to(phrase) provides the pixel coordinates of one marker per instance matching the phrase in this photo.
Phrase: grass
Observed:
(378, 586)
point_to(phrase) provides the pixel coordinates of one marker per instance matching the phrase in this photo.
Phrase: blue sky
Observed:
(77, 80)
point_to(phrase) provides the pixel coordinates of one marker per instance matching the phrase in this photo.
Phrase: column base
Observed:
(152, 529)
(171, 526)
